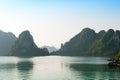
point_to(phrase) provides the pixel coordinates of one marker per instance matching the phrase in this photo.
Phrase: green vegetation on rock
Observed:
(25, 46)
(90, 43)
(117, 57)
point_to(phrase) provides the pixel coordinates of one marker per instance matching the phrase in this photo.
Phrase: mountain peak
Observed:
(90, 43)
(110, 30)
(25, 37)
(87, 30)
(25, 46)
(25, 33)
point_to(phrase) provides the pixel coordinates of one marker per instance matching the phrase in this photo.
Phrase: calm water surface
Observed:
(57, 68)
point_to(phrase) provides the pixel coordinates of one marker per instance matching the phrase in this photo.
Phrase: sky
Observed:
(52, 22)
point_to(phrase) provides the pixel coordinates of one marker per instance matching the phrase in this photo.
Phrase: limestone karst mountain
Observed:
(7, 40)
(25, 46)
(90, 43)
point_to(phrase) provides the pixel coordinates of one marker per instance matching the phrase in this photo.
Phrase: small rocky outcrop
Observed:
(115, 61)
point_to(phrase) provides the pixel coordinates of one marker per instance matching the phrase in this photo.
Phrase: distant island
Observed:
(86, 43)
(50, 48)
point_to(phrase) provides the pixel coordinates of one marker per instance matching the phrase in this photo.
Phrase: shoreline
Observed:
(114, 63)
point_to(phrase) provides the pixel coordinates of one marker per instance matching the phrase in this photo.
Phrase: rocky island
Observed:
(115, 61)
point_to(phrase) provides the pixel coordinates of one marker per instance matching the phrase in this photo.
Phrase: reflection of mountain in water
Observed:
(94, 71)
(25, 66)
(25, 70)
(93, 67)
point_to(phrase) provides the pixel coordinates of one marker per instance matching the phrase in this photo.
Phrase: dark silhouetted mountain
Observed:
(25, 46)
(90, 43)
(6, 42)
(50, 48)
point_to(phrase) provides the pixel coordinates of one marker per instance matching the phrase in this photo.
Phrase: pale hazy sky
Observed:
(53, 22)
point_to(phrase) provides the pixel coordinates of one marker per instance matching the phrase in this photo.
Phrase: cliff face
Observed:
(25, 46)
(7, 40)
(90, 43)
